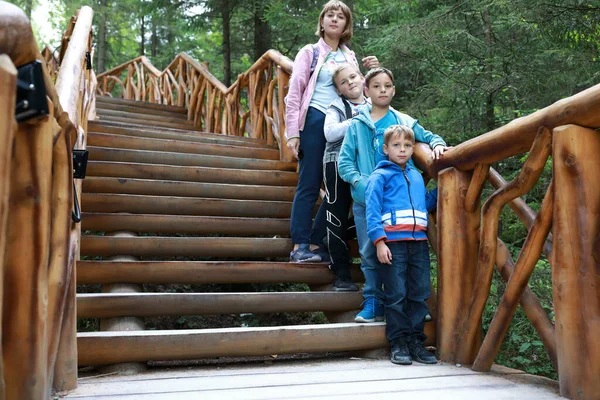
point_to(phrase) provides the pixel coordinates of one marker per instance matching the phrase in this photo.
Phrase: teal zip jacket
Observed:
(362, 148)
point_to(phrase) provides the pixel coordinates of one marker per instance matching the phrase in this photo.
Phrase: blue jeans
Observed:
(368, 255)
(406, 283)
(310, 154)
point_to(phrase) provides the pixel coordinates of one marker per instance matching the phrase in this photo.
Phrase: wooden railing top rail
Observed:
(143, 59)
(517, 136)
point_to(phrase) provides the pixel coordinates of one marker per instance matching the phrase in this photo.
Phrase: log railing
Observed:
(469, 247)
(39, 243)
(252, 106)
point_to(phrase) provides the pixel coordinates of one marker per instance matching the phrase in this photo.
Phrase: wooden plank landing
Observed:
(347, 378)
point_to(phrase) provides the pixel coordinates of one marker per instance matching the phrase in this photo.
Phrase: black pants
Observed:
(337, 206)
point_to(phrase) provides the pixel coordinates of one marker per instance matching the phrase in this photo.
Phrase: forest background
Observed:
(462, 68)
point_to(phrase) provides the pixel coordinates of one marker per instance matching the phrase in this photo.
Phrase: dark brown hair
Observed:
(376, 71)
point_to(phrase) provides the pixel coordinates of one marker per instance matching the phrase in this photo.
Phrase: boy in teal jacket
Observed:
(361, 150)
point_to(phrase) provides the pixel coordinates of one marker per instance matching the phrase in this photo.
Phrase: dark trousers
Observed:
(310, 154)
(406, 289)
(337, 207)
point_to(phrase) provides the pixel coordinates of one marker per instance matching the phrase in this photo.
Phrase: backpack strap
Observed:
(347, 107)
(315, 59)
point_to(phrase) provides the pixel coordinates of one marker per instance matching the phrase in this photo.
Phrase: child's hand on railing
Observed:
(438, 151)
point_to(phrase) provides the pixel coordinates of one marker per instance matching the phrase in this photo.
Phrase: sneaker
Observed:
(419, 353)
(323, 253)
(400, 353)
(428, 317)
(343, 285)
(372, 311)
(303, 254)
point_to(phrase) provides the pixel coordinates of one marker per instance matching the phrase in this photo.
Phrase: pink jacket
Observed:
(302, 84)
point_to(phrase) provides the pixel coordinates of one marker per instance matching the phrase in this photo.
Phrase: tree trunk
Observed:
(154, 40)
(262, 31)
(142, 35)
(490, 120)
(28, 8)
(226, 15)
(102, 50)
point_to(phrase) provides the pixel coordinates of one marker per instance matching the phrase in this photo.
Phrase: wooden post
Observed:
(576, 260)
(458, 236)
(8, 82)
(25, 349)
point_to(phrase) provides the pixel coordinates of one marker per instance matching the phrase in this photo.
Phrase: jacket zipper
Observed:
(411, 204)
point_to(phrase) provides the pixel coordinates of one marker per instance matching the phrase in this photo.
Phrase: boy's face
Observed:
(381, 90)
(399, 149)
(349, 83)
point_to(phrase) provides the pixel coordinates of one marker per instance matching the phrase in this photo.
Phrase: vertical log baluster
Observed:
(490, 213)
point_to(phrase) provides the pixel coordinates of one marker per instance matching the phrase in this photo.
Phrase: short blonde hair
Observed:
(339, 69)
(337, 5)
(398, 131)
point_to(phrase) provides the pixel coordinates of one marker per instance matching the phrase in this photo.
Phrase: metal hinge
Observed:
(80, 159)
(31, 92)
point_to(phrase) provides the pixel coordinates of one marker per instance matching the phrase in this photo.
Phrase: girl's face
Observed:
(334, 23)
(349, 83)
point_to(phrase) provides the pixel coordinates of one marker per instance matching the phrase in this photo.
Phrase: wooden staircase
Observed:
(198, 208)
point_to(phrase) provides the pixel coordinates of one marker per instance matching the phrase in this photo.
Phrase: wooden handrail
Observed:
(39, 261)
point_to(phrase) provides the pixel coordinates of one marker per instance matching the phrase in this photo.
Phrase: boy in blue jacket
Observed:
(361, 150)
(397, 206)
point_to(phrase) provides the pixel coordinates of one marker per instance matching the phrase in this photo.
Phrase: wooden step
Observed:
(154, 246)
(137, 204)
(185, 224)
(206, 272)
(167, 124)
(99, 348)
(191, 174)
(141, 118)
(141, 104)
(94, 184)
(200, 160)
(178, 146)
(180, 112)
(175, 134)
(108, 305)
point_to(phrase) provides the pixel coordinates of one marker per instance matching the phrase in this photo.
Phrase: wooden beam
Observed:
(186, 246)
(103, 305)
(97, 348)
(174, 134)
(8, 126)
(25, 354)
(191, 174)
(178, 146)
(576, 260)
(145, 119)
(95, 184)
(141, 104)
(186, 224)
(166, 124)
(490, 214)
(102, 106)
(118, 203)
(207, 272)
(530, 254)
(474, 192)
(458, 236)
(518, 136)
(170, 158)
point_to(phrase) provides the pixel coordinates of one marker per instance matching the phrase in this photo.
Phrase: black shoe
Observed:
(419, 353)
(343, 285)
(400, 353)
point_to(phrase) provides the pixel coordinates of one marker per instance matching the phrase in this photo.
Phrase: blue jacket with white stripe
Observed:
(397, 203)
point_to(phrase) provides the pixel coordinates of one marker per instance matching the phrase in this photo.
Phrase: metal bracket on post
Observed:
(80, 159)
(31, 92)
